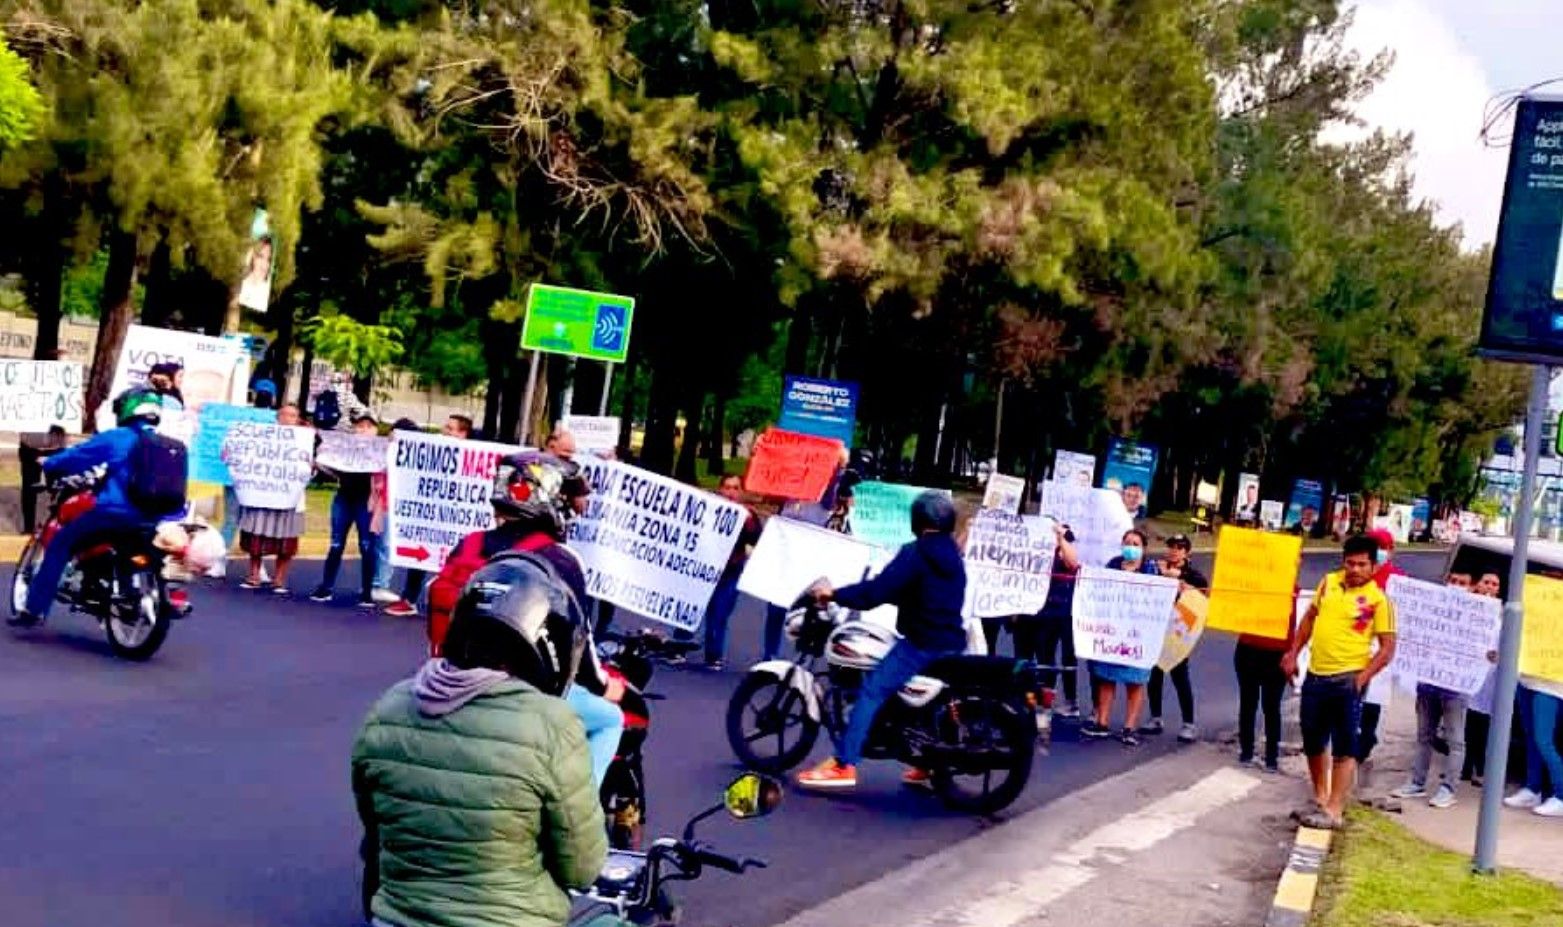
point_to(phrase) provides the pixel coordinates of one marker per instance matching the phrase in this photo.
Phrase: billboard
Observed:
(824, 408)
(1524, 316)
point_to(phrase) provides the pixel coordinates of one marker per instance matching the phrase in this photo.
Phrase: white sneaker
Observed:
(1410, 790)
(1443, 798)
(1188, 733)
(1551, 808)
(384, 596)
(1524, 798)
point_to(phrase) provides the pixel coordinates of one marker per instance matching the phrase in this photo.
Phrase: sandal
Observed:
(1321, 820)
(252, 585)
(281, 590)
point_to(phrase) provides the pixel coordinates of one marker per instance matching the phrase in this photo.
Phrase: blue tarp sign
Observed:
(1421, 517)
(1129, 467)
(1306, 505)
(206, 462)
(824, 408)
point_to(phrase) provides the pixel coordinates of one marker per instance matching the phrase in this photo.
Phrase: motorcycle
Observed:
(971, 722)
(633, 885)
(630, 658)
(118, 580)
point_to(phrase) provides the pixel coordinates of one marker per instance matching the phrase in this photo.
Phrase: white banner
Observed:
(1442, 635)
(1070, 467)
(1005, 493)
(1009, 564)
(345, 452)
(653, 545)
(594, 434)
(793, 554)
(438, 492)
(1122, 617)
(215, 369)
(1096, 516)
(270, 464)
(35, 395)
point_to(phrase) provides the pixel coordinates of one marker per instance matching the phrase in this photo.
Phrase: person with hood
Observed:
(927, 583)
(1383, 568)
(472, 779)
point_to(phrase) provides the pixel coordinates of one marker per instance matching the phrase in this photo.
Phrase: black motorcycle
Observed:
(970, 722)
(631, 657)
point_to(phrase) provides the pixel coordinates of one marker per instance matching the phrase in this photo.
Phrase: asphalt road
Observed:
(209, 787)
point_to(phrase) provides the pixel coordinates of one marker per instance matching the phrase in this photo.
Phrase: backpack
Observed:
(328, 410)
(158, 469)
(464, 560)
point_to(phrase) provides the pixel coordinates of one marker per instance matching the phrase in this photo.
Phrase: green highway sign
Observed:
(580, 323)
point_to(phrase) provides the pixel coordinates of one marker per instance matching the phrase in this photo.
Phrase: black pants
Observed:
(32, 477)
(412, 586)
(1180, 682)
(991, 629)
(1477, 727)
(1367, 732)
(1052, 635)
(1260, 685)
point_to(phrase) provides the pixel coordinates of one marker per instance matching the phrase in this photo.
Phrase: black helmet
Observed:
(531, 486)
(516, 615)
(933, 511)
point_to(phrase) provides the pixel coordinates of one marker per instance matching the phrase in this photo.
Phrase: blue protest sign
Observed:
(1130, 467)
(1306, 505)
(206, 462)
(823, 408)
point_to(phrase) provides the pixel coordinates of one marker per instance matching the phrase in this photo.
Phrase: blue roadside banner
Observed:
(823, 408)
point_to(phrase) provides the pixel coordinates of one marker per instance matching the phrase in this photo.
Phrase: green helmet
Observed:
(138, 403)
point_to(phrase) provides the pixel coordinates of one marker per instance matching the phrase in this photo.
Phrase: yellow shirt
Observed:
(1347, 622)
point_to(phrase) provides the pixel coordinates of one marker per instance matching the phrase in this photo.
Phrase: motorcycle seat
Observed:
(976, 672)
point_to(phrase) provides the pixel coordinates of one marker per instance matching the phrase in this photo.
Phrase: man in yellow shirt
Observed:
(1349, 612)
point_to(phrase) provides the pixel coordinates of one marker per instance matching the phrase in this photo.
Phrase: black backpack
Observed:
(328, 410)
(159, 469)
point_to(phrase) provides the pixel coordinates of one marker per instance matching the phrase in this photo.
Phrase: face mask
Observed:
(1131, 552)
(1381, 558)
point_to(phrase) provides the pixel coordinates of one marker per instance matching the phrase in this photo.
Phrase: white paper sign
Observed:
(1122, 617)
(1070, 467)
(1442, 635)
(35, 395)
(1004, 493)
(215, 369)
(653, 545)
(270, 464)
(438, 490)
(345, 452)
(594, 434)
(1096, 516)
(1009, 564)
(1271, 513)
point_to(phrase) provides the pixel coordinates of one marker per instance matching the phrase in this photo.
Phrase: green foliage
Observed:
(348, 344)
(21, 109)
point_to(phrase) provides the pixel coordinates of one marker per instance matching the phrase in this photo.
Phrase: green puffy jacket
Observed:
(479, 817)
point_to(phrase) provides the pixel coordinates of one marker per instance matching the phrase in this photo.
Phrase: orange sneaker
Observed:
(829, 775)
(917, 778)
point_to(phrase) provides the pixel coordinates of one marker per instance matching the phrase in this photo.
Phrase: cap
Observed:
(1180, 540)
(1386, 541)
(265, 386)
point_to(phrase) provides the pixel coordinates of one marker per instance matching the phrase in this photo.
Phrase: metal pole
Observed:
(998, 426)
(607, 387)
(526, 403)
(1509, 643)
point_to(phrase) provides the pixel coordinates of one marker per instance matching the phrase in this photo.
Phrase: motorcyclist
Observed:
(137, 411)
(472, 779)
(927, 583)
(535, 496)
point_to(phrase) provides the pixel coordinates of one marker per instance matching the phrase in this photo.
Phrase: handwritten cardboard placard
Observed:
(1541, 643)
(270, 464)
(345, 452)
(882, 513)
(1122, 617)
(1009, 564)
(1255, 578)
(1005, 493)
(1442, 635)
(439, 491)
(789, 465)
(212, 425)
(35, 395)
(1096, 516)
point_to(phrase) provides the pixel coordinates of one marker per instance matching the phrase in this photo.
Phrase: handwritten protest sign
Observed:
(653, 545)
(1541, 644)
(1009, 564)
(1379, 690)
(1183, 632)
(1096, 516)
(882, 513)
(212, 425)
(1255, 577)
(1005, 493)
(791, 555)
(1442, 635)
(35, 395)
(791, 465)
(270, 464)
(438, 490)
(1122, 617)
(594, 434)
(345, 452)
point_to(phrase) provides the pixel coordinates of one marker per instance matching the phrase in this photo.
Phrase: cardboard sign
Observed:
(1009, 564)
(1254, 579)
(1442, 635)
(212, 425)
(882, 513)
(791, 555)
(438, 490)
(653, 545)
(1183, 632)
(215, 369)
(1070, 467)
(1122, 617)
(789, 465)
(1096, 516)
(270, 464)
(345, 452)
(1004, 493)
(1541, 643)
(594, 434)
(36, 395)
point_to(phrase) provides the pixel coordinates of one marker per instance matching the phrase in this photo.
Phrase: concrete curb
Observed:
(1299, 884)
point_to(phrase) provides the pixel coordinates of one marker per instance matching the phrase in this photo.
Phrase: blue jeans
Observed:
(383, 571)
(230, 529)
(604, 724)
(90, 527)
(724, 598)
(349, 514)
(899, 665)
(1543, 763)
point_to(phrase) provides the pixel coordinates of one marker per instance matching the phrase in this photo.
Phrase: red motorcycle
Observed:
(630, 658)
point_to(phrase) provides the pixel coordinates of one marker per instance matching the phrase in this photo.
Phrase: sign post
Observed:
(576, 323)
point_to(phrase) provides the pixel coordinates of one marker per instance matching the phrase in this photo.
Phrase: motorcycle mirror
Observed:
(752, 796)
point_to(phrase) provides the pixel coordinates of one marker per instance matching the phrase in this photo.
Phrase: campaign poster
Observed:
(823, 408)
(213, 369)
(1129, 471)
(1307, 502)
(1072, 467)
(1246, 507)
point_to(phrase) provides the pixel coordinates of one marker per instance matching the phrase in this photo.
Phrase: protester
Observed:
(1540, 704)
(379, 512)
(1054, 631)
(32, 449)
(1261, 685)
(1105, 677)
(271, 532)
(1175, 564)
(1437, 708)
(350, 511)
(1349, 613)
(560, 443)
(460, 428)
(163, 379)
(1478, 718)
(1372, 712)
(725, 597)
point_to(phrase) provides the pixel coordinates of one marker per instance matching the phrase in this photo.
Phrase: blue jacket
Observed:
(926, 582)
(112, 448)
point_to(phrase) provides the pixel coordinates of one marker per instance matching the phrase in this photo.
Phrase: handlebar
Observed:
(709, 857)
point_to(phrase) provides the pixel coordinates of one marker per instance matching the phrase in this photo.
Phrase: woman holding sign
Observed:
(272, 532)
(1105, 677)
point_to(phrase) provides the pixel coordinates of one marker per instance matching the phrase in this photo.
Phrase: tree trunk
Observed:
(689, 453)
(799, 331)
(661, 421)
(627, 400)
(716, 445)
(45, 286)
(116, 313)
(281, 350)
(157, 300)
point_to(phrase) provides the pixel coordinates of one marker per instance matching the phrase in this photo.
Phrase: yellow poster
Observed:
(1188, 623)
(1255, 576)
(1541, 646)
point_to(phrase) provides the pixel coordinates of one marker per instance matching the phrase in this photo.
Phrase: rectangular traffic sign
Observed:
(581, 323)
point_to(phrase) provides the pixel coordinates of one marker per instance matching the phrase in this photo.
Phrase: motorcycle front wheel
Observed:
(996, 740)
(26, 566)
(768, 724)
(137, 624)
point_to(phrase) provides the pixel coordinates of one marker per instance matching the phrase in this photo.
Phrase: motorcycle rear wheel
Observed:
(763, 710)
(136, 627)
(1001, 731)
